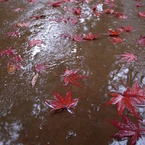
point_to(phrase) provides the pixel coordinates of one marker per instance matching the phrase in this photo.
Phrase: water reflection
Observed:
(10, 132)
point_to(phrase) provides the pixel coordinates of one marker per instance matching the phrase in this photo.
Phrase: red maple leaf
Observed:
(128, 99)
(32, 1)
(91, 36)
(9, 51)
(70, 76)
(120, 15)
(18, 9)
(62, 103)
(14, 33)
(108, 1)
(139, 5)
(114, 33)
(109, 11)
(128, 129)
(77, 11)
(55, 4)
(129, 57)
(74, 20)
(124, 101)
(77, 38)
(136, 92)
(126, 29)
(141, 41)
(23, 24)
(141, 14)
(15, 62)
(116, 40)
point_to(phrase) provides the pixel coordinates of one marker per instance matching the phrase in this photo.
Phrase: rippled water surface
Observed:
(24, 117)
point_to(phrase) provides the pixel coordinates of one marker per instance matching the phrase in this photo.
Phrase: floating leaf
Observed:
(8, 52)
(14, 33)
(77, 11)
(62, 103)
(141, 40)
(128, 129)
(91, 36)
(23, 24)
(116, 40)
(126, 29)
(141, 14)
(55, 4)
(70, 76)
(120, 15)
(109, 11)
(139, 5)
(114, 33)
(128, 57)
(131, 97)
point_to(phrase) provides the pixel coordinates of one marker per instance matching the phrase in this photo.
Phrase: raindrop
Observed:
(70, 134)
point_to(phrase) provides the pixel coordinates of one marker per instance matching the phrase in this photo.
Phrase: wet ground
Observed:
(24, 117)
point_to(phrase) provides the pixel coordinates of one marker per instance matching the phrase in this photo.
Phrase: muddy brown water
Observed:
(24, 118)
